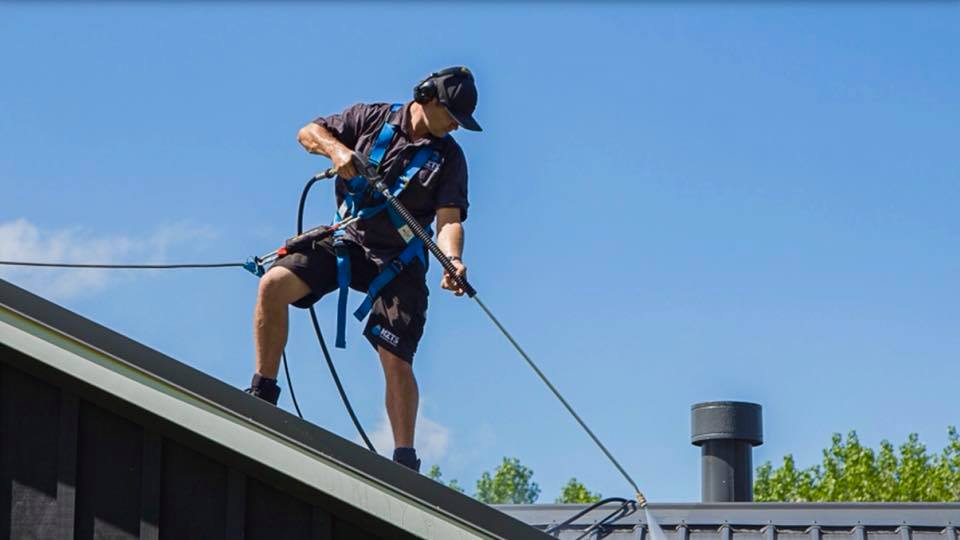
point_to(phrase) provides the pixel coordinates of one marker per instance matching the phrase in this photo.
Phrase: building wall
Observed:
(75, 464)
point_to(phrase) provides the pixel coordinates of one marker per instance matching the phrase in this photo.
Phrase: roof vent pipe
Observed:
(726, 432)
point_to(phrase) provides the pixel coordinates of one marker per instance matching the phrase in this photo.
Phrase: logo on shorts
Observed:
(386, 335)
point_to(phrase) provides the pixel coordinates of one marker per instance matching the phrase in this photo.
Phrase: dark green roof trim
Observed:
(391, 477)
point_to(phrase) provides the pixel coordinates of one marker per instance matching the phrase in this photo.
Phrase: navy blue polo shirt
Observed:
(433, 187)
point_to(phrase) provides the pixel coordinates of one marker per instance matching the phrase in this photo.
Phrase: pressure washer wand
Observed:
(374, 178)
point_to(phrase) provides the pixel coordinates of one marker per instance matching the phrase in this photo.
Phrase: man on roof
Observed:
(411, 146)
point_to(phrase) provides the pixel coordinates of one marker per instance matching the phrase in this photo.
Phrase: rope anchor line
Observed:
(121, 266)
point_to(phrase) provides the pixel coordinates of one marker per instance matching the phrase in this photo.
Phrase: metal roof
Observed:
(149, 380)
(761, 521)
(150, 385)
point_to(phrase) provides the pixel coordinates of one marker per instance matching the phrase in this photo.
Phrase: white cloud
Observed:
(432, 439)
(21, 240)
(476, 449)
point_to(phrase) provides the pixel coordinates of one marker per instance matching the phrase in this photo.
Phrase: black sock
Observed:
(404, 453)
(265, 388)
(259, 381)
(406, 457)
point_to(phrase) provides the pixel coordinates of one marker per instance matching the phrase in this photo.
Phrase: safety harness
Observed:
(363, 202)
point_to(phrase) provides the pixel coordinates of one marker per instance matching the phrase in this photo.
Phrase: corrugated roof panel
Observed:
(795, 534)
(701, 534)
(682, 532)
(882, 535)
(764, 521)
(839, 535)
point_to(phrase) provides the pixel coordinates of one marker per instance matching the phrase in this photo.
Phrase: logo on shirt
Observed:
(430, 167)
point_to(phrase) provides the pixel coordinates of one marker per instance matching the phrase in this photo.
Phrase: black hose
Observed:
(316, 326)
(293, 396)
(336, 380)
(587, 510)
(625, 509)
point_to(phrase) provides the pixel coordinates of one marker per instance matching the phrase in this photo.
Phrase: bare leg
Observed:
(402, 397)
(279, 288)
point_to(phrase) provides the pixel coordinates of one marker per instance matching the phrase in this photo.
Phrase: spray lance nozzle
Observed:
(641, 499)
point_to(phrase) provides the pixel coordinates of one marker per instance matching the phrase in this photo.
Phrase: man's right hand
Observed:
(343, 162)
(316, 139)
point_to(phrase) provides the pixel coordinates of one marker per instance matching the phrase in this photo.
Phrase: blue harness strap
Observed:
(414, 250)
(364, 202)
(343, 283)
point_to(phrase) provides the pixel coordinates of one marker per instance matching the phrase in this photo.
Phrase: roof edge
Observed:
(196, 386)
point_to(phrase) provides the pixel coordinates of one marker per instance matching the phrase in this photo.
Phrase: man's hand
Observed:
(449, 283)
(316, 139)
(342, 159)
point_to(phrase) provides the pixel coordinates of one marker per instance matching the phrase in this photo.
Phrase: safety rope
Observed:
(123, 266)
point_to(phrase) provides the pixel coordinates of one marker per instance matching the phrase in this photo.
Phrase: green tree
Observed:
(435, 474)
(851, 472)
(454, 485)
(510, 483)
(575, 492)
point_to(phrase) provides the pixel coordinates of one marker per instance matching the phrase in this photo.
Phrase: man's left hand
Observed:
(449, 283)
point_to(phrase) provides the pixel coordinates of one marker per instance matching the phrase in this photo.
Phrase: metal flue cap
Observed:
(726, 420)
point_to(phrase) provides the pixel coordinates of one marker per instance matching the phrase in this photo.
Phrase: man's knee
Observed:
(394, 365)
(281, 287)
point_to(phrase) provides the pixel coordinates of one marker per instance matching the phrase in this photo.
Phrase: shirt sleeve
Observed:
(347, 126)
(452, 188)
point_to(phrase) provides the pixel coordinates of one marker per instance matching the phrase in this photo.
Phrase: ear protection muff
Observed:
(427, 89)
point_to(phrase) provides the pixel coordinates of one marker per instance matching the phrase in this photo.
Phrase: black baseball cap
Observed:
(457, 92)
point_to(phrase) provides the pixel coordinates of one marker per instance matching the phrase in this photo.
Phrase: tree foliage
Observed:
(575, 492)
(851, 472)
(511, 482)
(435, 474)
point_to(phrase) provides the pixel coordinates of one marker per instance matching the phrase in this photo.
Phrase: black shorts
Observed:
(400, 311)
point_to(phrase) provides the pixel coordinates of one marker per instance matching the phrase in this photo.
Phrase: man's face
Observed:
(439, 121)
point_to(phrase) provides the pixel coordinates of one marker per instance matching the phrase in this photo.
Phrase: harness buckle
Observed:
(254, 266)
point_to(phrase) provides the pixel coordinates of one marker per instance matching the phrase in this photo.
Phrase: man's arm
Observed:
(450, 241)
(316, 139)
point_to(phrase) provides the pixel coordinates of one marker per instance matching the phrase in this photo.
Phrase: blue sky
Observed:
(670, 204)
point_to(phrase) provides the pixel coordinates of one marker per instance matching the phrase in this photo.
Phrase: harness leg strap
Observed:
(414, 250)
(343, 282)
(373, 291)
